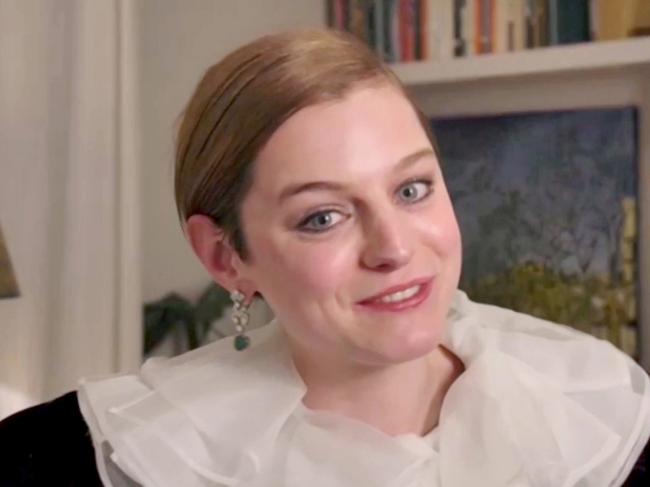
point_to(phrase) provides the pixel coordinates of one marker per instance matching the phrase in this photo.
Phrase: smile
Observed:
(400, 298)
(401, 295)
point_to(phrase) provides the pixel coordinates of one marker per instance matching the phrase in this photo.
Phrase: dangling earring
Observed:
(240, 317)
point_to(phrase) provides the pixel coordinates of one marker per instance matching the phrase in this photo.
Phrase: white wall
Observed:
(178, 41)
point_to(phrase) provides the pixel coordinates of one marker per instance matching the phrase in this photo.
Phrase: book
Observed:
(529, 22)
(641, 26)
(541, 23)
(371, 28)
(438, 29)
(553, 27)
(357, 24)
(516, 28)
(501, 18)
(593, 19)
(460, 49)
(341, 14)
(394, 37)
(615, 19)
(572, 21)
(377, 12)
(416, 20)
(618, 19)
(403, 30)
(484, 33)
(434, 30)
(468, 27)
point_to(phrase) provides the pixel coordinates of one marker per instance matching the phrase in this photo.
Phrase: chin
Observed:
(409, 342)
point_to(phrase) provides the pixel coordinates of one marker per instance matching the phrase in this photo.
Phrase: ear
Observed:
(215, 252)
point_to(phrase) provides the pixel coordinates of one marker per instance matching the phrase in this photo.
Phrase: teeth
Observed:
(401, 295)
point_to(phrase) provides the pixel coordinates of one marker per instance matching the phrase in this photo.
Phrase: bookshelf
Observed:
(625, 54)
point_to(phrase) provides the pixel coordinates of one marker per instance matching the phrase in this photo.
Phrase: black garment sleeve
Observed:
(48, 445)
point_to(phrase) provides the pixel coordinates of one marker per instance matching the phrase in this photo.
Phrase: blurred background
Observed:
(97, 274)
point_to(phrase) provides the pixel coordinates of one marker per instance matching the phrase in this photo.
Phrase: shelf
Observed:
(610, 55)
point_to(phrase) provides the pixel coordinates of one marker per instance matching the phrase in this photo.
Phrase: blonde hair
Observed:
(242, 100)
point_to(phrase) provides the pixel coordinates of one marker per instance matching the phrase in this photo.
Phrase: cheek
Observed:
(449, 234)
(317, 270)
(441, 229)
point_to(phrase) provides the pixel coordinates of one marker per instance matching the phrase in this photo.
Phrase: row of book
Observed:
(413, 30)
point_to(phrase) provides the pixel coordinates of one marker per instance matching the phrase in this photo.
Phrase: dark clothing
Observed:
(49, 445)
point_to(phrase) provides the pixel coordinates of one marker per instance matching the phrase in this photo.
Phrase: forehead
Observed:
(358, 136)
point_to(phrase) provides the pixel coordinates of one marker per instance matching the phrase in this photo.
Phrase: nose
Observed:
(388, 244)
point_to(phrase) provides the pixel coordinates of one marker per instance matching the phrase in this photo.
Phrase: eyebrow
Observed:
(297, 188)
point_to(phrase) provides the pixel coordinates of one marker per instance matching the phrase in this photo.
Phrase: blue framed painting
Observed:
(547, 205)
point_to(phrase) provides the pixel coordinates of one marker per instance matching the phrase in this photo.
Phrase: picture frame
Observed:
(8, 284)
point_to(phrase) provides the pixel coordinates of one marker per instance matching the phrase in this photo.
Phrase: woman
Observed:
(305, 174)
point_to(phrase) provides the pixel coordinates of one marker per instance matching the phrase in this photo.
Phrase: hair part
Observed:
(242, 100)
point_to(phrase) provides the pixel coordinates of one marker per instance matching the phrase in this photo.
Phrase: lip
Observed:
(373, 302)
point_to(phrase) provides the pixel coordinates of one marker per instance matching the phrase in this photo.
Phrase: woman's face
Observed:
(352, 237)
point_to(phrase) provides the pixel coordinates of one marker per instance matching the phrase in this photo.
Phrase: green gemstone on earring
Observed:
(242, 342)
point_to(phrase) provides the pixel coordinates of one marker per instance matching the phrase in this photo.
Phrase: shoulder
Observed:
(48, 444)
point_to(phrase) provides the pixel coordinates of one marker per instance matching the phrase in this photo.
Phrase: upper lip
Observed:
(397, 288)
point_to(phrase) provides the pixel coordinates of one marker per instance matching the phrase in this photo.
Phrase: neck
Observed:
(396, 399)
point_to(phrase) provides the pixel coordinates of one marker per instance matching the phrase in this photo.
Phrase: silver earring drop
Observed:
(240, 317)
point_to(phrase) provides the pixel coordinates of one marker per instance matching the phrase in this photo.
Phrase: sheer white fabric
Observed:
(539, 404)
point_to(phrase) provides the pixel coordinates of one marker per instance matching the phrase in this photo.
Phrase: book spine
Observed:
(371, 28)
(387, 30)
(488, 23)
(641, 19)
(329, 13)
(444, 22)
(519, 25)
(379, 29)
(530, 15)
(500, 26)
(337, 14)
(468, 23)
(572, 21)
(493, 24)
(510, 26)
(542, 23)
(357, 19)
(425, 29)
(593, 19)
(402, 21)
(478, 26)
(415, 32)
(394, 30)
(459, 40)
(616, 18)
(553, 28)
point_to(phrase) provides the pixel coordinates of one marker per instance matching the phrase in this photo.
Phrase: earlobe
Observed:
(210, 246)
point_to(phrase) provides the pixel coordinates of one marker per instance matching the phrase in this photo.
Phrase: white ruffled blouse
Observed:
(538, 404)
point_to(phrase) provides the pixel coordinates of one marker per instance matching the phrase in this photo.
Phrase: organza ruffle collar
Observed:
(538, 405)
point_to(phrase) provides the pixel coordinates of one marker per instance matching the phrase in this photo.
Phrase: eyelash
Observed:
(302, 226)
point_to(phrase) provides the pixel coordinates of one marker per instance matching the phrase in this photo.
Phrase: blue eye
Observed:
(414, 191)
(320, 221)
